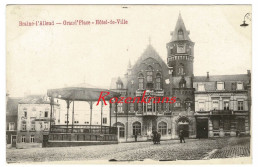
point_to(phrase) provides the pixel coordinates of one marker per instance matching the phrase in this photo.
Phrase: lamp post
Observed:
(244, 22)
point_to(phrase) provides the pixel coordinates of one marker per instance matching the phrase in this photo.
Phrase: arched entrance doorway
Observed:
(183, 124)
(121, 129)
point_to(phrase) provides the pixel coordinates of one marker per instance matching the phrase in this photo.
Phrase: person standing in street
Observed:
(181, 135)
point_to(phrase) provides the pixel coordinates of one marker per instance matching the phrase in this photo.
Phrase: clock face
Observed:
(180, 49)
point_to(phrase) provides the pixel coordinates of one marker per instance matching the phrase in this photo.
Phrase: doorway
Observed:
(13, 140)
(202, 128)
(184, 128)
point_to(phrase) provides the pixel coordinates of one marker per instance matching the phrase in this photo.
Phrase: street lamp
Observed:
(244, 22)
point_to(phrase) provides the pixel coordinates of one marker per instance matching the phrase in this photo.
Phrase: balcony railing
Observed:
(221, 112)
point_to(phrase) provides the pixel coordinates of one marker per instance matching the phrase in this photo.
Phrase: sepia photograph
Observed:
(114, 84)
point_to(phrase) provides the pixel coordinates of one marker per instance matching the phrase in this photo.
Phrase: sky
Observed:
(44, 57)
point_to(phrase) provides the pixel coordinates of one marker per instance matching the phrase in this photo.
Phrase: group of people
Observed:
(156, 136)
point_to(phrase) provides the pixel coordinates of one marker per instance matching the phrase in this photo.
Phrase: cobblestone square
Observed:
(193, 149)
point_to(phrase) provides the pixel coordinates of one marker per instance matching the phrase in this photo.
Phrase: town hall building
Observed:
(176, 79)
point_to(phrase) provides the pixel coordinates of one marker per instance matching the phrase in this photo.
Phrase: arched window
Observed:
(181, 69)
(178, 103)
(182, 83)
(121, 127)
(149, 74)
(187, 103)
(162, 128)
(119, 83)
(141, 81)
(158, 81)
(136, 128)
(180, 34)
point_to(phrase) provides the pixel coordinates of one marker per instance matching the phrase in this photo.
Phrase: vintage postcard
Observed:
(146, 84)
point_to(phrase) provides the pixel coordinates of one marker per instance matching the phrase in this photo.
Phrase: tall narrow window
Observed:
(178, 103)
(180, 34)
(149, 105)
(241, 124)
(23, 139)
(122, 132)
(158, 81)
(240, 106)
(239, 86)
(215, 105)
(132, 107)
(46, 126)
(201, 106)
(24, 126)
(226, 105)
(141, 81)
(120, 107)
(46, 114)
(32, 126)
(149, 74)
(162, 128)
(136, 128)
(180, 69)
(215, 123)
(11, 126)
(226, 124)
(104, 120)
(32, 138)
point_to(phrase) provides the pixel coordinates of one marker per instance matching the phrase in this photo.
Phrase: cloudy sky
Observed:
(44, 57)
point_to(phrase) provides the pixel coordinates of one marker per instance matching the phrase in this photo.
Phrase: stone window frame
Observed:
(137, 128)
(13, 125)
(164, 129)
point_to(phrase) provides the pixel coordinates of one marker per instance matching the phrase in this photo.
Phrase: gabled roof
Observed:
(180, 26)
(115, 80)
(150, 52)
(35, 99)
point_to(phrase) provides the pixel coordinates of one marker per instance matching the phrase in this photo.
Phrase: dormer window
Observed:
(220, 85)
(201, 87)
(180, 34)
(239, 86)
(119, 85)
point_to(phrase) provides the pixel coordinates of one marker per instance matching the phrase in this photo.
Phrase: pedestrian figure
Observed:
(154, 136)
(181, 135)
(237, 133)
(135, 137)
(158, 137)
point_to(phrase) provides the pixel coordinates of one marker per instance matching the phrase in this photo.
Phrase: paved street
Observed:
(193, 149)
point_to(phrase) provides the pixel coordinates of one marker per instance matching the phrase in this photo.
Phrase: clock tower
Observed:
(180, 50)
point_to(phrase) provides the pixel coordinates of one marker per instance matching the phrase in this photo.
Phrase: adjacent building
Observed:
(33, 121)
(11, 120)
(222, 105)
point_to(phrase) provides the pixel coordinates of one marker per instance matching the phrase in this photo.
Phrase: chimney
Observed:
(208, 75)
(248, 72)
